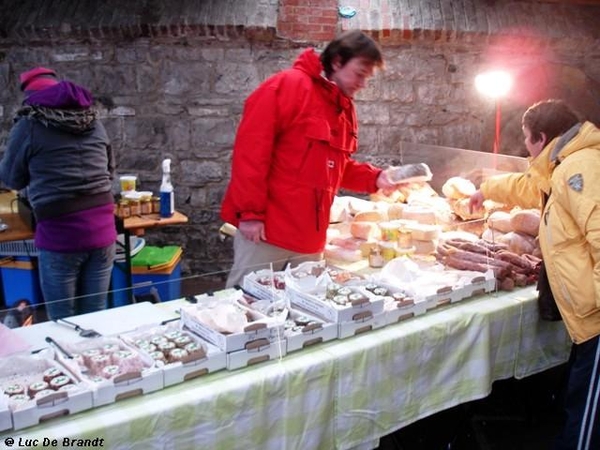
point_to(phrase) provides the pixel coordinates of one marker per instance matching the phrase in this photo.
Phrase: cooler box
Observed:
(152, 267)
(20, 280)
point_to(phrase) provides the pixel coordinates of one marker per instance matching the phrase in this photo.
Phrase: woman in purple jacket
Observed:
(60, 155)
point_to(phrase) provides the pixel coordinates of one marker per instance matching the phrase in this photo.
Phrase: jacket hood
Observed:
(64, 95)
(71, 121)
(310, 63)
(586, 136)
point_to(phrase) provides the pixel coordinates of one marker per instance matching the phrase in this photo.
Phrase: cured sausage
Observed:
(514, 259)
(462, 264)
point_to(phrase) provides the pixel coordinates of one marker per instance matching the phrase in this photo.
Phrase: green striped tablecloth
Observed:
(338, 395)
(397, 375)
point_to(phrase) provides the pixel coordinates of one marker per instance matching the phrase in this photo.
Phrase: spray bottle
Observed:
(167, 197)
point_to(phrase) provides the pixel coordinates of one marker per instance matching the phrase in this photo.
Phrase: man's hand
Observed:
(252, 230)
(476, 201)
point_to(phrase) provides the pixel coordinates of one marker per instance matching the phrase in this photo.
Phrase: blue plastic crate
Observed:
(20, 280)
(166, 281)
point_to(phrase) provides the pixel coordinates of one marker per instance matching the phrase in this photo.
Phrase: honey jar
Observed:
(404, 238)
(156, 205)
(376, 258)
(123, 209)
(135, 208)
(388, 250)
(146, 206)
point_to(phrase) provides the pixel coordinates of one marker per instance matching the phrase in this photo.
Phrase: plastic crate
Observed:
(20, 280)
(25, 247)
(166, 280)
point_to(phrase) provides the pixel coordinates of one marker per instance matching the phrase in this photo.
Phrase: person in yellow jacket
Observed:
(565, 169)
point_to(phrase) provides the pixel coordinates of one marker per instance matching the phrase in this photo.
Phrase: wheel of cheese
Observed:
(395, 211)
(424, 232)
(365, 230)
(369, 216)
(420, 214)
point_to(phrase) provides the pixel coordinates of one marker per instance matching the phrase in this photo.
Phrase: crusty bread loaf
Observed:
(456, 188)
(526, 221)
(518, 243)
(500, 220)
(461, 209)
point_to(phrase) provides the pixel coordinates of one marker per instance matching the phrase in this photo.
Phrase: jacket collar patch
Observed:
(576, 182)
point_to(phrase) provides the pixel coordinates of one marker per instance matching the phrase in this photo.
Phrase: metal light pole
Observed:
(494, 84)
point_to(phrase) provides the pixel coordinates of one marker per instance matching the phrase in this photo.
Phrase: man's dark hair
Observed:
(348, 45)
(552, 117)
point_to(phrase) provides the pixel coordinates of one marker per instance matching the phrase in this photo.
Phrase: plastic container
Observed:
(20, 280)
(164, 276)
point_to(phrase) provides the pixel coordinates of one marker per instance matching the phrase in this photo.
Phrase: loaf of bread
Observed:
(500, 220)
(456, 188)
(461, 209)
(526, 221)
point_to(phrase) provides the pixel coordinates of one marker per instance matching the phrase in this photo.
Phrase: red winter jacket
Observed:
(292, 153)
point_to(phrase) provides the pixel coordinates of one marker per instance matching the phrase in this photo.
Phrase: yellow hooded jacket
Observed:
(567, 170)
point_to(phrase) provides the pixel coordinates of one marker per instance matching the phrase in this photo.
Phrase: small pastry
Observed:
(110, 371)
(182, 341)
(59, 381)
(51, 373)
(99, 362)
(177, 354)
(14, 389)
(194, 348)
(43, 393)
(36, 387)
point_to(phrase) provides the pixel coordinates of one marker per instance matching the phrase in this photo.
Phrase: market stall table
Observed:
(137, 226)
(17, 231)
(338, 395)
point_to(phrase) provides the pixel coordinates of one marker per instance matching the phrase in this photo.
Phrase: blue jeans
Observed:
(75, 283)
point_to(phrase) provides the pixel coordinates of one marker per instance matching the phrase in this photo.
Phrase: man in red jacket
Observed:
(293, 152)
